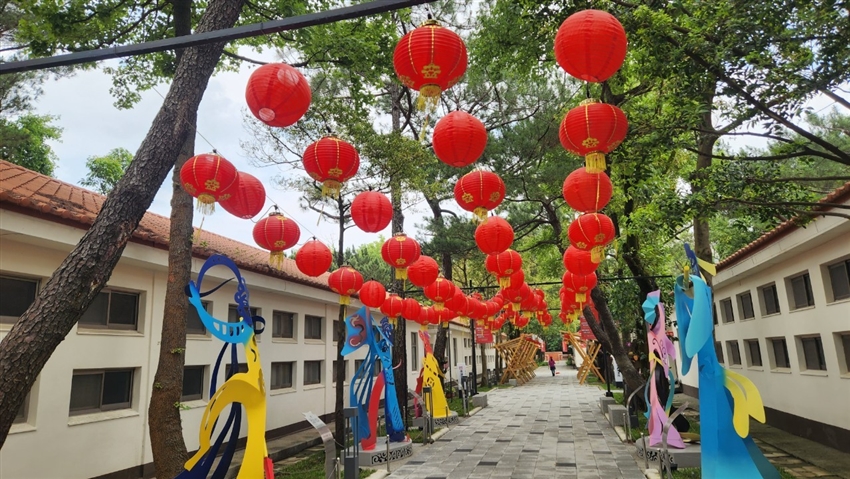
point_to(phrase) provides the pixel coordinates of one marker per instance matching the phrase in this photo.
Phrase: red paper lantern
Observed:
(458, 302)
(208, 177)
(411, 309)
(423, 271)
(345, 281)
(427, 315)
(494, 235)
(587, 192)
(580, 285)
(314, 258)
(332, 162)
(517, 278)
(276, 233)
(503, 265)
(459, 139)
(445, 315)
(591, 45)
(373, 294)
(479, 192)
(439, 291)
(400, 251)
(278, 94)
(430, 59)
(592, 231)
(593, 129)
(371, 211)
(516, 295)
(247, 197)
(392, 306)
(578, 261)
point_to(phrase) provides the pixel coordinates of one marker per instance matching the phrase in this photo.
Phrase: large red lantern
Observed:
(479, 192)
(430, 59)
(373, 294)
(423, 271)
(503, 265)
(411, 309)
(578, 261)
(247, 197)
(591, 45)
(593, 129)
(439, 292)
(580, 285)
(459, 139)
(517, 278)
(208, 177)
(587, 192)
(494, 235)
(458, 302)
(278, 94)
(392, 306)
(276, 233)
(400, 251)
(592, 231)
(345, 281)
(427, 315)
(314, 258)
(332, 162)
(516, 295)
(371, 211)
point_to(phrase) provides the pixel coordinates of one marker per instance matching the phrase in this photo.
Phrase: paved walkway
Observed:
(548, 428)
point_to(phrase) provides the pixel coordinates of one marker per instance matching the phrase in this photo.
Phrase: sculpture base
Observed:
(380, 455)
(438, 422)
(690, 456)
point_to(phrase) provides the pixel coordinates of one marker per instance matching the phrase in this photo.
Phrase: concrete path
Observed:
(550, 427)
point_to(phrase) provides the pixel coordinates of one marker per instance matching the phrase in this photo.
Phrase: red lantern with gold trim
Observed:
(578, 261)
(400, 251)
(314, 258)
(593, 129)
(209, 178)
(427, 315)
(479, 192)
(345, 281)
(591, 45)
(458, 302)
(332, 162)
(373, 294)
(411, 309)
(276, 233)
(439, 292)
(503, 265)
(430, 59)
(278, 94)
(247, 197)
(423, 271)
(592, 231)
(517, 278)
(587, 192)
(371, 211)
(459, 139)
(494, 235)
(579, 285)
(392, 306)
(516, 295)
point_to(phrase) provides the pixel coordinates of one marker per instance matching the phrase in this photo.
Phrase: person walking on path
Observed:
(552, 364)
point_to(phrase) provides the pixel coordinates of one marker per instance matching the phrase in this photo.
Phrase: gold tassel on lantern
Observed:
(594, 162)
(206, 204)
(581, 297)
(401, 273)
(596, 254)
(429, 99)
(331, 188)
(438, 306)
(504, 281)
(276, 259)
(481, 213)
(344, 300)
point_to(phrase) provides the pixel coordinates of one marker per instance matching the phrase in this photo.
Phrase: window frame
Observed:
(320, 365)
(772, 352)
(842, 343)
(195, 332)
(101, 408)
(741, 305)
(734, 352)
(804, 354)
(292, 368)
(9, 321)
(830, 284)
(718, 351)
(200, 395)
(234, 308)
(748, 343)
(727, 310)
(414, 351)
(293, 319)
(243, 368)
(791, 283)
(308, 318)
(22, 416)
(770, 287)
(114, 326)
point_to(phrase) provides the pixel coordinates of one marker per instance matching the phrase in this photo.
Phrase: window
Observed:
(726, 310)
(313, 327)
(282, 375)
(414, 352)
(745, 305)
(243, 368)
(23, 411)
(753, 352)
(714, 315)
(193, 383)
(734, 352)
(283, 325)
(780, 353)
(193, 320)
(338, 330)
(454, 351)
(233, 313)
(112, 310)
(769, 298)
(813, 353)
(718, 350)
(839, 279)
(336, 371)
(844, 339)
(801, 291)
(312, 372)
(377, 367)
(18, 295)
(103, 390)
(357, 364)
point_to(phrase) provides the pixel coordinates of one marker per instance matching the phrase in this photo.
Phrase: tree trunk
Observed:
(339, 402)
(81, 276)
(702, 238)
(611, 342)
(399, 331)
(484, 381)
(446, 262)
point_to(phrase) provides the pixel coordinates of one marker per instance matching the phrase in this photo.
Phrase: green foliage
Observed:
(105, 171)
(23, 141)
(368, 261)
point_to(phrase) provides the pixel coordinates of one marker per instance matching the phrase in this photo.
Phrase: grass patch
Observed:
(695, 473)
(312, 467)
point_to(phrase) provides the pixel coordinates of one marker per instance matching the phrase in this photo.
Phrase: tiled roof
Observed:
(839, 195)
(55, 200)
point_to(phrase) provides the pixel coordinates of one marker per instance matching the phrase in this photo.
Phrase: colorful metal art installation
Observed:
(366, 388)
(240, 389)
(429, 376)
(662, 379)
(727, 399)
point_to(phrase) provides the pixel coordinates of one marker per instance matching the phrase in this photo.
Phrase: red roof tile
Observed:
(55, 200)
(839, 195)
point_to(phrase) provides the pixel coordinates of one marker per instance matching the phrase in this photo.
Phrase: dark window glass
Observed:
(16, 295)
(745, 300)
(21, 416)
(312, 372)
(193, 383)
(718, 350)
(93, 391)
(714, 315)
(112, 309)
(357, 364)
(414, 352)
(734, 352)
(780, 353)
(233, 313)
(771, 299)
(283, 325)
(243, 368)
(97, 312)
(117, 386)
(726, 311)
(813, 353)
(282, 375)
(754, 351)
(839, 278)
(313, 327)
(194, 325)
(801, 286)
(123, 308)
(845, 342)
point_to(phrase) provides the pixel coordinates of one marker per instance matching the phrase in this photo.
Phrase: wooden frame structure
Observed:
(518, 355)
(588, 359)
